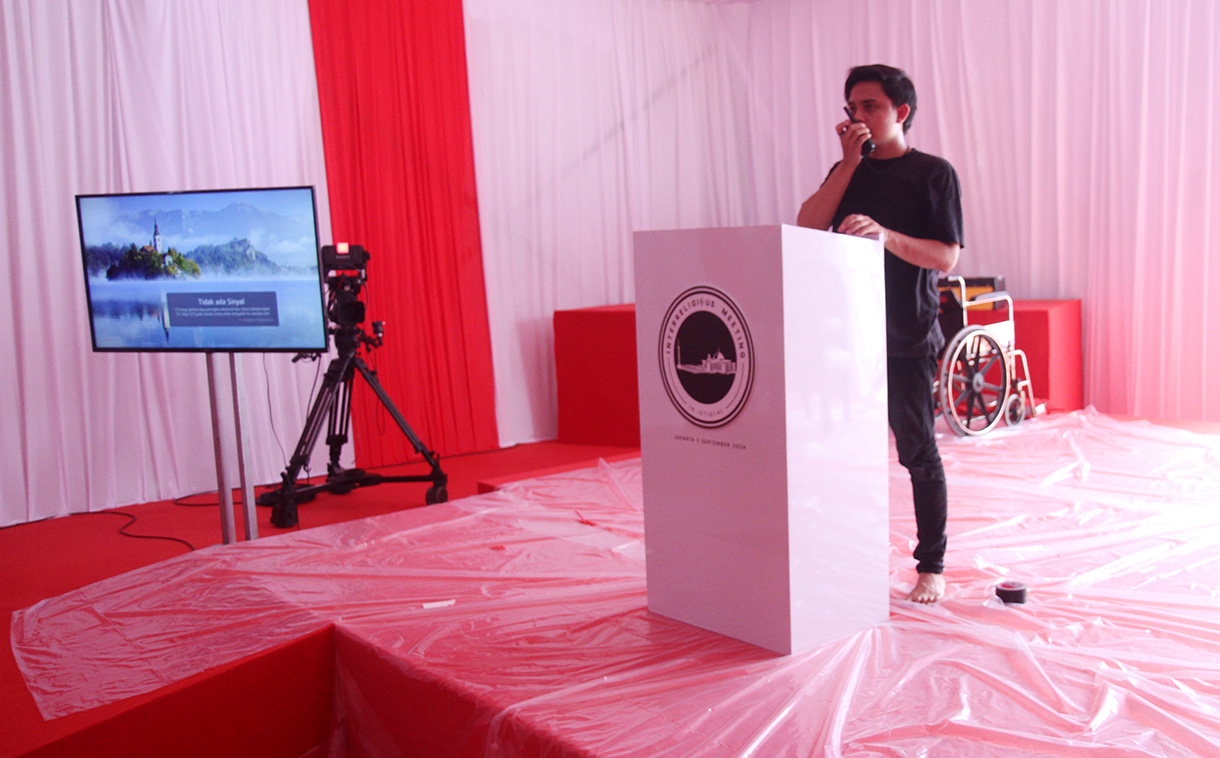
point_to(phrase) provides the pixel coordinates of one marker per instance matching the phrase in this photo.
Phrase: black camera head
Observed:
(344, 257)
(344, 265)
(345, 309)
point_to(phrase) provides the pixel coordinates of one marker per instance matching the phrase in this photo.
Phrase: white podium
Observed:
(763, 431)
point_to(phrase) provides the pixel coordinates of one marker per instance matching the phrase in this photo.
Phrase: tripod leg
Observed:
(336, 437)
(284, 513)
(438, 493)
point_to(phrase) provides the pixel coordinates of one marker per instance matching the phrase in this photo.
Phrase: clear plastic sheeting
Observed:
(515, 623)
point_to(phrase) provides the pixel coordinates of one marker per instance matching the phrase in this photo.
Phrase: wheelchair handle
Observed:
(991, 297)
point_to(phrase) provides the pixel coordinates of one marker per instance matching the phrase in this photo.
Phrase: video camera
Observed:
(343, 306)
(344, 257)
(344, 265)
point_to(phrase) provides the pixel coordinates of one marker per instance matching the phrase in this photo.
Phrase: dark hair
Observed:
(894, 82)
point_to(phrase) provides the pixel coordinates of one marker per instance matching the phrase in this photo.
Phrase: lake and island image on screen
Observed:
(219, 270)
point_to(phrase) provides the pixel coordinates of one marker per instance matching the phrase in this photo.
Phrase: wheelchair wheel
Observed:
(974, 381)
(1016, 409)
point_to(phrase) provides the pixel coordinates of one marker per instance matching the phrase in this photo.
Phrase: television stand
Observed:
(228, 528)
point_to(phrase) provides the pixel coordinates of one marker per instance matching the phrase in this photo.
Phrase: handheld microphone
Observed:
(868, 145)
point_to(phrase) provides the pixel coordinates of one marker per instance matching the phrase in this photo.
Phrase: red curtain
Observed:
(400, 174)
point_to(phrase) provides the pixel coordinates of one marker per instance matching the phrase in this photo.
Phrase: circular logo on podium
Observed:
(707, 357)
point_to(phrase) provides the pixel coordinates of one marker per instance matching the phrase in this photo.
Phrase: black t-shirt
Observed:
(917, 195)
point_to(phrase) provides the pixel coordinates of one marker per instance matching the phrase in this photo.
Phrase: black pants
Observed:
(911, 410)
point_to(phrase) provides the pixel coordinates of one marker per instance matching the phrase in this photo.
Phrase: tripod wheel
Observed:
(436, 494)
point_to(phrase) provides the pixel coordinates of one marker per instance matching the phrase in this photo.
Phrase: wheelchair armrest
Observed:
(990, 297)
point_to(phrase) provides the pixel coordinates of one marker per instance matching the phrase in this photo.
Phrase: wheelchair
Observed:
(983, 378)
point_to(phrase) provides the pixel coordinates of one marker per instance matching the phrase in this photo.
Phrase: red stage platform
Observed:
(1049, 333)
(514, 623)
(595, 368)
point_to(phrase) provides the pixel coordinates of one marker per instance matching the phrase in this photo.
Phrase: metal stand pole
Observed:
(249, 519)
(227, 528)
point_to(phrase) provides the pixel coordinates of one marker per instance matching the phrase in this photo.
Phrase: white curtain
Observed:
(591, 119)
(104, 96)
(1086, 135)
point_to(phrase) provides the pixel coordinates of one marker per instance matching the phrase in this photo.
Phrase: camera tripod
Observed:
(333, 405)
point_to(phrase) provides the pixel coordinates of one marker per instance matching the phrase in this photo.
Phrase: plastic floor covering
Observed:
(515, 623)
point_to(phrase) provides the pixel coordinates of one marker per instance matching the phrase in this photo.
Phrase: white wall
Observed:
(1086, 135)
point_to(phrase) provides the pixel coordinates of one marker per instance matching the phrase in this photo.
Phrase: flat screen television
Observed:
(216, 270)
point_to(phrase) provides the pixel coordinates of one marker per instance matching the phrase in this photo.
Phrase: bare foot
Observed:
(929, 589)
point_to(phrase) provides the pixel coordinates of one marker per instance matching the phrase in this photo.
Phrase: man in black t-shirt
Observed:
(912, 202)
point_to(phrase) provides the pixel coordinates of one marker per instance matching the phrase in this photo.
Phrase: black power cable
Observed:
(131, 519)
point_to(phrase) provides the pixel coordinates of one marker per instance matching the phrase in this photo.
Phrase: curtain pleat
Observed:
(400, 166)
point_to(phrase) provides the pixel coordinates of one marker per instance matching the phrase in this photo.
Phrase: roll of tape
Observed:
(1010, 591)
